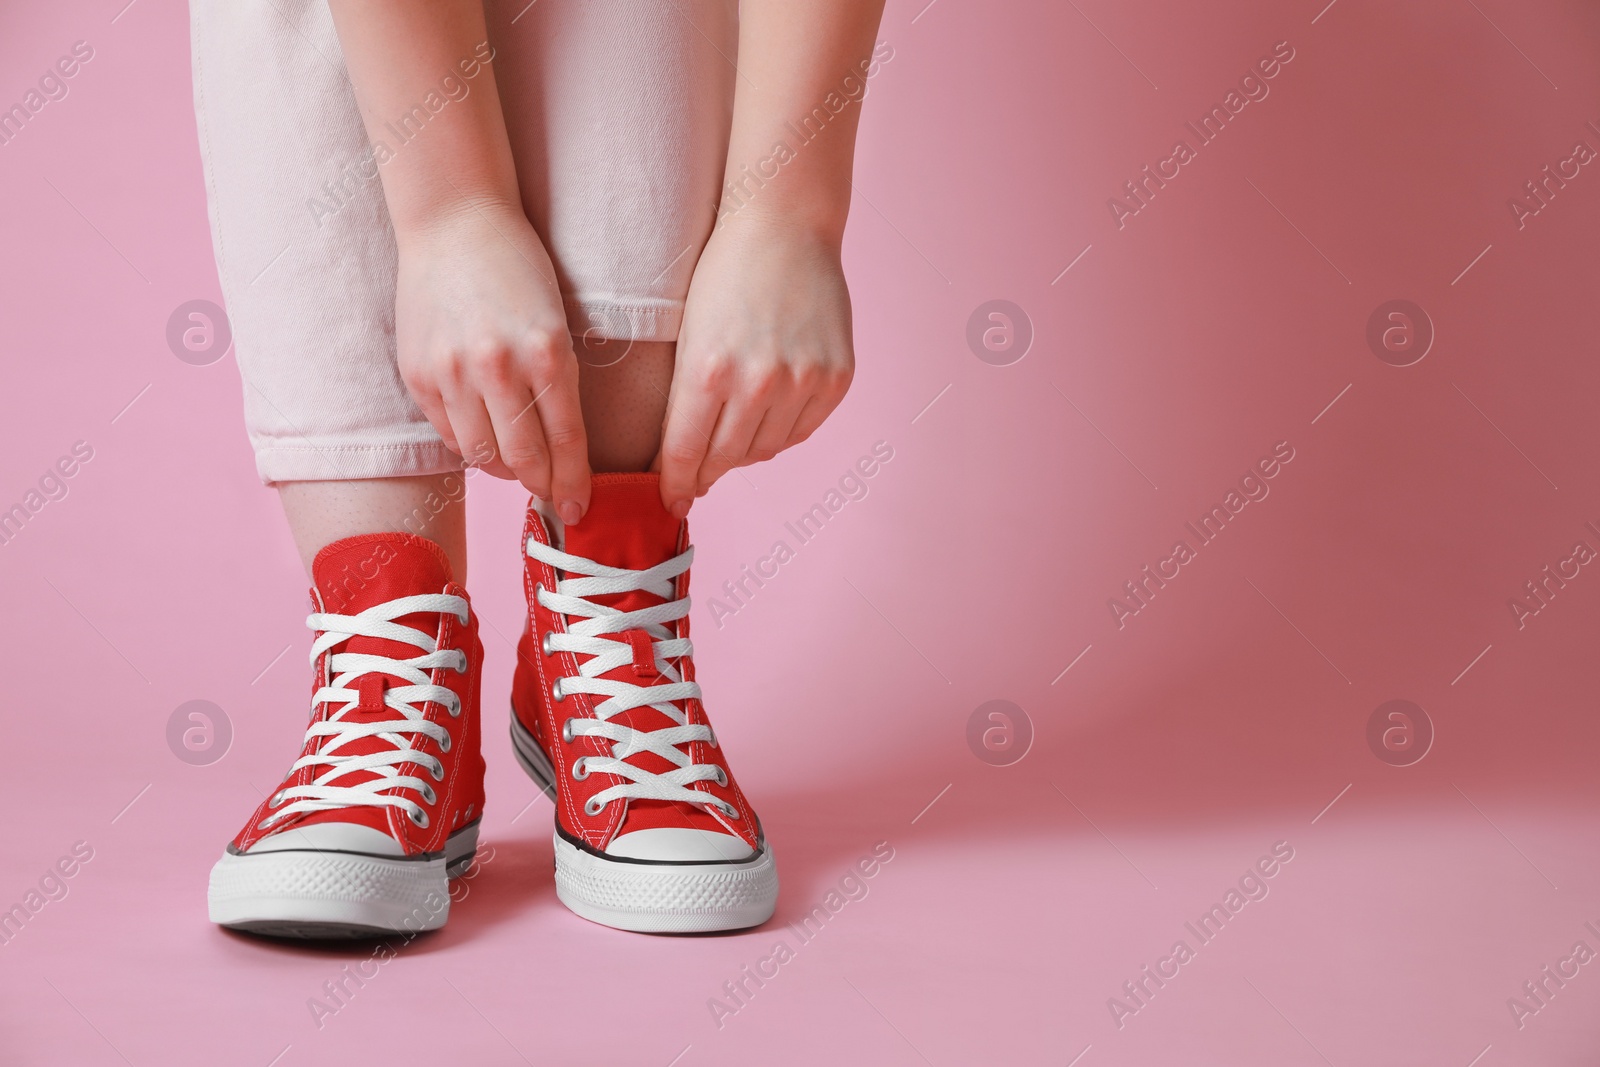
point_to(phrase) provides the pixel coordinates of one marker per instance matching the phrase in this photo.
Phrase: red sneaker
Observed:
(382, 807)
(652, 833)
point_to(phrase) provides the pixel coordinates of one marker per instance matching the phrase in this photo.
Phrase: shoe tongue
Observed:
(359, 573)
(625, 526)
(362, 572)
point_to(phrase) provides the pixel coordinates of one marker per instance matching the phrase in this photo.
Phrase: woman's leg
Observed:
(307, 261)
(431, 506)
(623, 387)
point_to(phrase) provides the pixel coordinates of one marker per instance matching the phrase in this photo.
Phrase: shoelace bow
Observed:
(586, 636)
(347, 669)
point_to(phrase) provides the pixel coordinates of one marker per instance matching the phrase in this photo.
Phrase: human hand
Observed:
(764, 354)
(483, 347)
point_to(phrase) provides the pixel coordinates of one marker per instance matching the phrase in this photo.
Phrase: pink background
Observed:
(1225, 717)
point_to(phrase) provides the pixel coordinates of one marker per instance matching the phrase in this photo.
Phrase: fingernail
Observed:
(570, 512)
(680, 509)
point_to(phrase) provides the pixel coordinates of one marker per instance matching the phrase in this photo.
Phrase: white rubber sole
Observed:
(336, 895)
(648, 897)
(655, 898)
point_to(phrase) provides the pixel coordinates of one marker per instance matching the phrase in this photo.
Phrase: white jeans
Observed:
(618, 113)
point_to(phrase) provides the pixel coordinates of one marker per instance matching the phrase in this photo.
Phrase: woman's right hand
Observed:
(485, 351)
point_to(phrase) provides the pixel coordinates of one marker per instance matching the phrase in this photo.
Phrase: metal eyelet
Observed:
(712, 740)
(566, 731)
(453, 709)
(437, 771)
(421, 822)
(580, 768)
(592, 808)
(429, 795)
(538, 591)
(556, 692)
(275, 799)
(463, 663)
(544, 643)
(444, 743)
(722, 776)
(732, 812)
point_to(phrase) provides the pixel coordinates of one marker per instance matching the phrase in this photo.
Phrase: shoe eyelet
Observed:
(437, 770)
(732, 812)
(592, 807)
(580, 768)
(462, 663)
(538, 591)
(556, 692)
(453, 709)
(566, 732)
(429, 795)
(444, 743)
(419, 820)
(722, 777)
(275, 799)
(544, 643)
(712, 740)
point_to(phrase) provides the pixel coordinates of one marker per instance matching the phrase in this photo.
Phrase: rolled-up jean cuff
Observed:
(592, 319)
(324, 463)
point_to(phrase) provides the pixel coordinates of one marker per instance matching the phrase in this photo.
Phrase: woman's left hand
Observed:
(764, 352)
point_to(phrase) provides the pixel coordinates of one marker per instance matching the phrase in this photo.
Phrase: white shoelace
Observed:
(586, 637)
(347, 668)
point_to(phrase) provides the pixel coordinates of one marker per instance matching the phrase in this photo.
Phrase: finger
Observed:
(815, 412)
(730, 441)
(519, 435)
(555, 376)
(777, 425)
(473, 431)
(691, 416)
(431, 402)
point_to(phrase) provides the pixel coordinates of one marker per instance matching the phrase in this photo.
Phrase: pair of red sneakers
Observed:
(383, 806)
